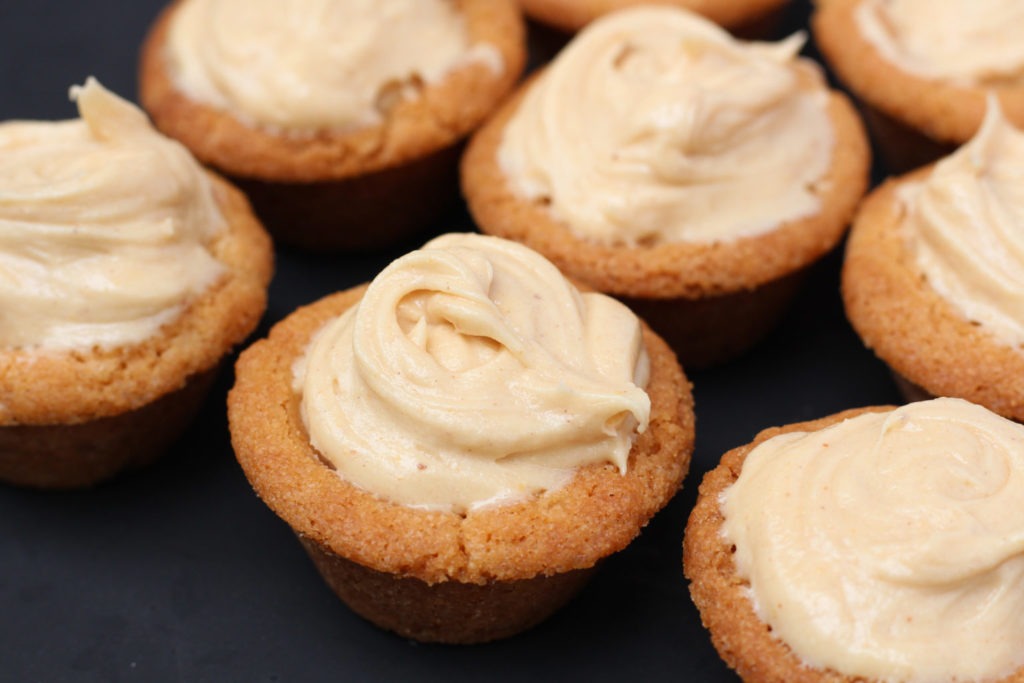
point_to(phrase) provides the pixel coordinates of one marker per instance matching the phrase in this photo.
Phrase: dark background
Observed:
(179, 573)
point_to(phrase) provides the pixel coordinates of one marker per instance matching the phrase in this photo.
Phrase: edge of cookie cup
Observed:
(559, 533)
(910, 327)
(70, 419)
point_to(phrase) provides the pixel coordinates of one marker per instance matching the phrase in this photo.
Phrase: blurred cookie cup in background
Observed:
(127, 272)
(341, 120)
(922, 69)
(459, 443)
(933, 279)
(691, 175)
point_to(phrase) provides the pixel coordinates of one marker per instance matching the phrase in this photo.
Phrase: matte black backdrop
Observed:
(179, 573)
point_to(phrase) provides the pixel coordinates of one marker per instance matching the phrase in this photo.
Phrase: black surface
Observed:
(179, 573)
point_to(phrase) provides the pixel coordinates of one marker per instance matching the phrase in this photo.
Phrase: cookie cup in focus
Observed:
(321, 189)
(914, 119)
(441, 576)
(929, 345)
(71, 419)
(711, 301)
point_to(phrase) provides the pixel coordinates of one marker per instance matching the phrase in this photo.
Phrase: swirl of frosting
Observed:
(103, 227)
(473, 373)
(652, 122)
(316, 64)
(966, 41)
(886, 546)
(965, 224)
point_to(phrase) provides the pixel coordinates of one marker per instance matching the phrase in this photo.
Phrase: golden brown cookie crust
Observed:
(572, 15)
(444, 113)
(673, 270)
(941, 110)
(598, 513)
(743, 641)
(910, 326)
(69, 387)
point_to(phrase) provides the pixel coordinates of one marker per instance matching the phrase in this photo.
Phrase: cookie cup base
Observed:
(81, 455)
(448, 612)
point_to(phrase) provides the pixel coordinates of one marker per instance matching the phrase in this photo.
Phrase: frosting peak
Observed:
(965, 224)
(103, 227)
(473, 373)
(652, 121)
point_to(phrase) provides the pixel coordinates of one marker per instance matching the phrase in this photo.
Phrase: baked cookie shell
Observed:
(743, 641)
(910, 326)
(598, 513)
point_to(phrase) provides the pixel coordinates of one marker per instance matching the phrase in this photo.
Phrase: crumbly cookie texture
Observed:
(413, 128)
(599, 512)
(910, 326)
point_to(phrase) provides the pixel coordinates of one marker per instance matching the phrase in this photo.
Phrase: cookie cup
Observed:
(70, 419)
(710, 301)
(933, 349)
(326, 188)
(914, 120)
(435, 575)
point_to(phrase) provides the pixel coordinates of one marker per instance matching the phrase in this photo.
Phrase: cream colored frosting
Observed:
(965, 41)
(103, 223)
(654, 125)
(472, 373)
(965, 225)
(315, 64)
(889, 546)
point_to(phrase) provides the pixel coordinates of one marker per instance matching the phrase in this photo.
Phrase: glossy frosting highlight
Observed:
(104, 227)
(305, 65)
(472, 373)
(654, 125)
(884, 546)
(965, 225)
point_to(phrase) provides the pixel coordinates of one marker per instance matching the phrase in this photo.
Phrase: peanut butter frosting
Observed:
(965, 224)
(965, 41)
(472, 373)
(881, 546)
(654, 125)
(304, 65)
(103, 227)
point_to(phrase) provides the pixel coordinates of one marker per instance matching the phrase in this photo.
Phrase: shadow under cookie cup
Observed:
(72, 419)
(710, 301)
(362, 189)
(441, 576)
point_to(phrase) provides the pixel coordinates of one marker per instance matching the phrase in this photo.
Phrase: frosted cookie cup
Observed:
(922, 69)
(932, 277)
(342, 121)
(691, 175)
(857, 547)
(128, 273)
(456, 444)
